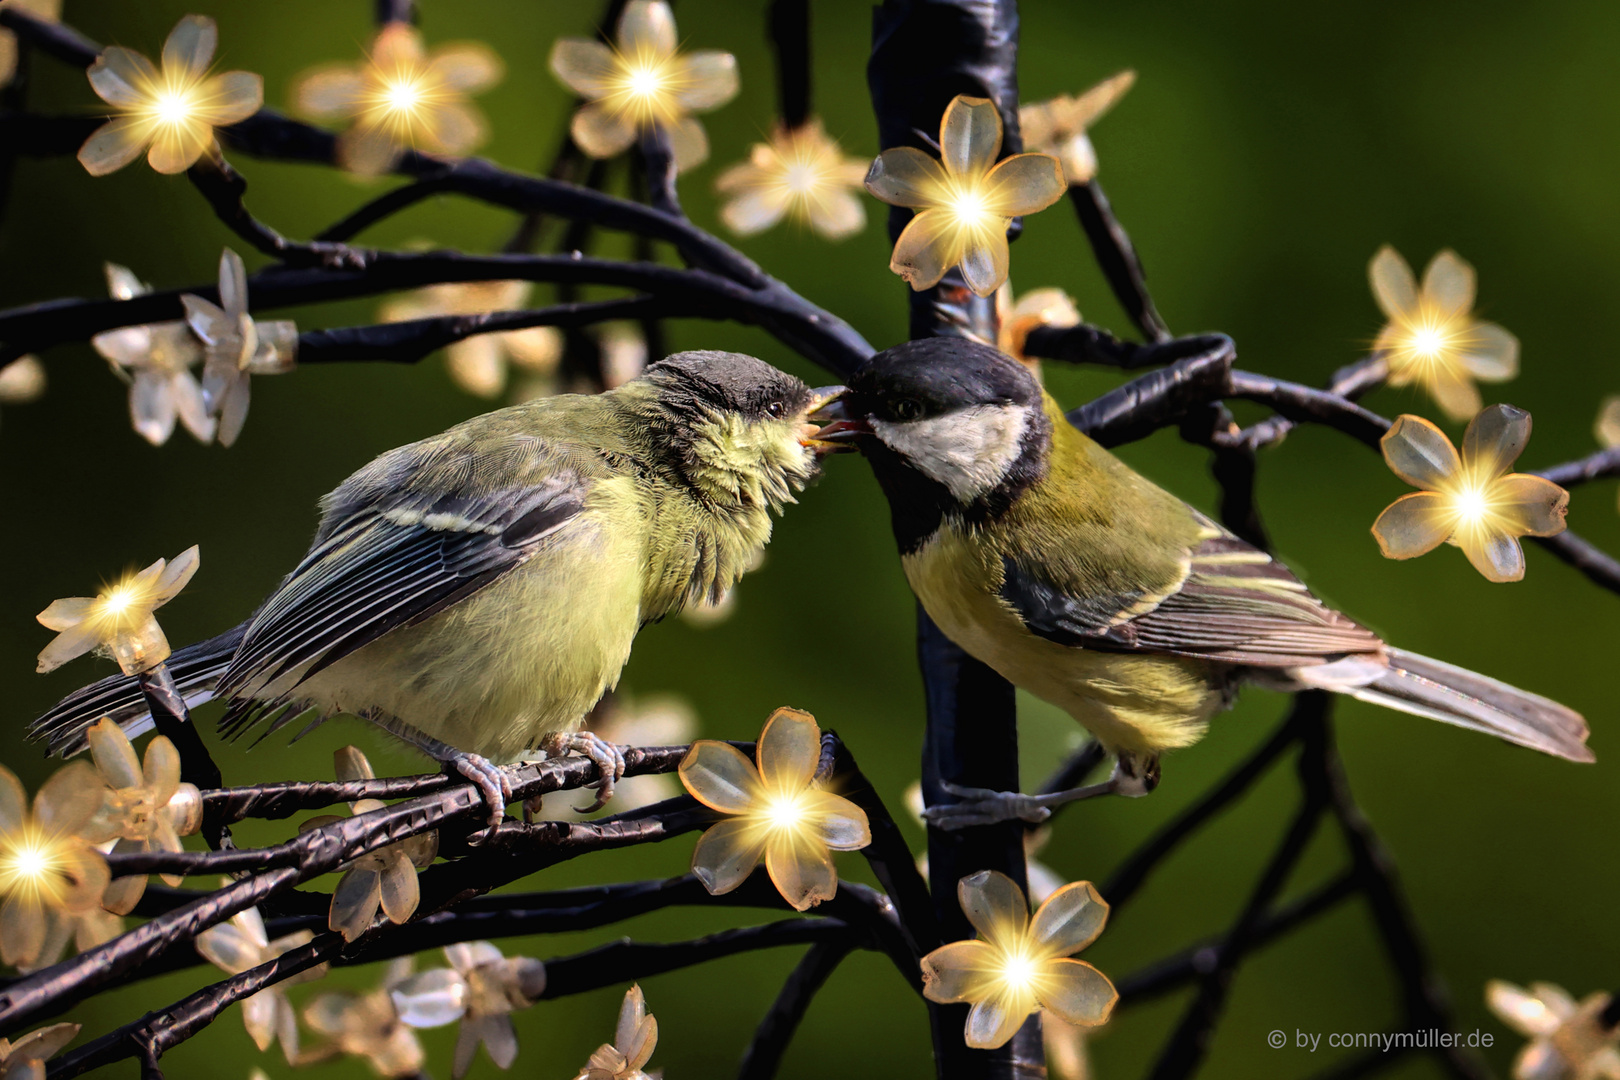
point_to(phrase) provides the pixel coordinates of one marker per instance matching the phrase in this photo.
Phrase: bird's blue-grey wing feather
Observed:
(389, 564)
(1235, 605)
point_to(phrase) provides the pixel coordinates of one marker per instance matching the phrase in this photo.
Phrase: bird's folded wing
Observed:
(1236, 605)
(389, 564)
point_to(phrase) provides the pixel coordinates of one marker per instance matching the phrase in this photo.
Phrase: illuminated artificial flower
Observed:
(118, 619)
(1059, 126)
(383, 878)
(22, 380)
(401, 97)
(171, 114)
(1568, 1040)
(478, 363)
(1432, 338)
(147, 807)
(482, 989)
(1607, 427)
(641, 81)
(25, 1058)
(238, 346)
(800, 172)
(965, 201)
(633, 1043)
(1471, 501)
(1042, 307)
(43, 10)
(366, 1025)
(1018, 964)
(776, 813)
(243, 944)
(161, 356)
(1068, 1048)
(48, 870)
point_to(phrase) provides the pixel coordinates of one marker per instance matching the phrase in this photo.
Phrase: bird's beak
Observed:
(839, 428)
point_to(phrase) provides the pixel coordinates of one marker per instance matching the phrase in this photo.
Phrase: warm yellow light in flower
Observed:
(775, 813)
(49, 873)
(119, 618)
(965, 201)
(1019, 964)
(1431, 338)
(171, 113)
(642, 80)
(1468, 499)
(1568, 1040)
(402, 97)
(799, 172)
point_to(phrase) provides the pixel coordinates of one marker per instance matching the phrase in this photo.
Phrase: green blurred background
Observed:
(1266, 152)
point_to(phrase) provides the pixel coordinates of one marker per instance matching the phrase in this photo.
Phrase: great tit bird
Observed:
(1046, 557)
(477, 592)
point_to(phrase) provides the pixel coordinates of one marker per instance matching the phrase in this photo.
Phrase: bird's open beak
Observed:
(838, 429)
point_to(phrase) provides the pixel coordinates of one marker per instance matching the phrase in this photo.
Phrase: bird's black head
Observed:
(736, 425)
(951, 427)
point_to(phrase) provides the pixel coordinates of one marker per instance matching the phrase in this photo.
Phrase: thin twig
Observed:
(770, 1042)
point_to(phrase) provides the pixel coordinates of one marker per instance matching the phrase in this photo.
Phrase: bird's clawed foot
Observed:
(609, 760)
(983, 806)
(491, 779)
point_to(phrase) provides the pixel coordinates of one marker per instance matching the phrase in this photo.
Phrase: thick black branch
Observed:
(790, 39)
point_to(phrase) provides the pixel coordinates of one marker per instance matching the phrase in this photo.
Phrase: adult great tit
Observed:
(1042, 555)
(477, 592)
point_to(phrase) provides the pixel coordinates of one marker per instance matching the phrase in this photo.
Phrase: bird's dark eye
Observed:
(906, 409)
(776, 410)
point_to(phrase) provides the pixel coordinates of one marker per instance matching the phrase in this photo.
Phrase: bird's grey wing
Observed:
(389, 564)
(1236, 605)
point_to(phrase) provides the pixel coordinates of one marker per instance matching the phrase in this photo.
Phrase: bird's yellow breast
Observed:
(1135, 702)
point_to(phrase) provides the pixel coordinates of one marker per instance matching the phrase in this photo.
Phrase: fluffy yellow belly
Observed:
(517, 660)
(1139, 703)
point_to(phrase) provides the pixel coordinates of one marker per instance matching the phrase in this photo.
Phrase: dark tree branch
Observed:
(1117, 258)
(789, 28)
(173, 721)
(658, 168)
(770, 1042)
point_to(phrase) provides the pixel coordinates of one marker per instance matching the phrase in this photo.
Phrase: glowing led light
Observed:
(1428, 340)
(785, 812)
(403, 95)
(174, 107)
(1472, 505)
(1018, 971)
(29, 859)
(646, 80)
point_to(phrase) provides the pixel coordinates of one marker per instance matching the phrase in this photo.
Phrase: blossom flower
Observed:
(1471, 501)
(366, 1025)
(633, 1043)
(25, 1058)
(48, 871)
(383, 878)
(147, 807)
(482, 989)
(478, 364)
(22, 380)
(776, 813)
(1432, 338)
(161, 356)
(643, 81)
(965, 201)
(1568, 1040)
(242, 944)
(1018, 964)
(402, 97)
(1041, 307)
(1059, 126)
(170, 114)
(118, 619)
(1607, 427)
(238, 346)
(43, 10)
(799, 172)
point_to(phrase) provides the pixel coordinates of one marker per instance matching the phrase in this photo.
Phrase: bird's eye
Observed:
(906, 409)
(776, 410)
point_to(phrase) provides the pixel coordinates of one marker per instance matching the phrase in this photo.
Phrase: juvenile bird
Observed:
(1047, 558)
(475, 593)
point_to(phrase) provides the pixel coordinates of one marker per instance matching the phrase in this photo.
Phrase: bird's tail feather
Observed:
(196, 668)
(1452, 695)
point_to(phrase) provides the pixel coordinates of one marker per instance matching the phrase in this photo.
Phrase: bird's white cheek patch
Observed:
(968, 451)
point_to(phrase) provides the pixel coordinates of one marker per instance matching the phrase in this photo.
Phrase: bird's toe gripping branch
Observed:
(491, 779)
